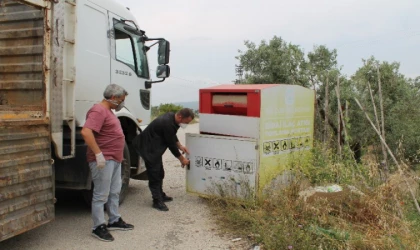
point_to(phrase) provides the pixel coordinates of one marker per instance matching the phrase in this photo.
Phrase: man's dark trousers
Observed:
(156, 173)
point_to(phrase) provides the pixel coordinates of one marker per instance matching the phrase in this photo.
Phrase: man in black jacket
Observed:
(159, 135)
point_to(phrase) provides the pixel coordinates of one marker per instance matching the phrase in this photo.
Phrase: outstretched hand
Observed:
(184, 161)
(184, 149)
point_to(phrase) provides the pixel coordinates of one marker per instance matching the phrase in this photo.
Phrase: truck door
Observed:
(129, 67)
(26, 174)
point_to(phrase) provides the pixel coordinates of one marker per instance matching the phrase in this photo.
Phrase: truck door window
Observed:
(130, 50)
(143, 68)
(124, 49)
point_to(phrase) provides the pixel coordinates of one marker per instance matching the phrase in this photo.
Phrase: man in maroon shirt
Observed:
(103, 134)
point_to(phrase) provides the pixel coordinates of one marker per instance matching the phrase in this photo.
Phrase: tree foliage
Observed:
(277, 61)
(274, 62)
(400, 100)
(164, 108)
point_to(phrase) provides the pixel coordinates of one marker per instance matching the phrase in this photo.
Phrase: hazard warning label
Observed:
(286, 145)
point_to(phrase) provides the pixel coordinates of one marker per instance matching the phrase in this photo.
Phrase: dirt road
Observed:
(187, 224)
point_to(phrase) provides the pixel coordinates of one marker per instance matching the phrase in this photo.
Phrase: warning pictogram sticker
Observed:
(293, 143)
(307, 141)
(248, 167)
(217, 164)
(227, 165)
(198, 161)
(301, 143)
(284, 145)
(276, 146)
(208, 162)
(238, 166)
(267, 148)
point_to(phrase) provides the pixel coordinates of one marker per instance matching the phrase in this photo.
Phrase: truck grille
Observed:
(145, 98)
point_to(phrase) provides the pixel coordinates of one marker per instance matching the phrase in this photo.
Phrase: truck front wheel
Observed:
(125, 173)
(125, 179)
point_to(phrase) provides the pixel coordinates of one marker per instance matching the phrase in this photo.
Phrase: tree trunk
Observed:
(385, 164)
(326, 116)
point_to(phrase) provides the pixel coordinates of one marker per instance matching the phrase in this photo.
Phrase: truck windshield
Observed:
(130, 51)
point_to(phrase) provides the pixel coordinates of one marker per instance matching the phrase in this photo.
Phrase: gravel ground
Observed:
(187, 224)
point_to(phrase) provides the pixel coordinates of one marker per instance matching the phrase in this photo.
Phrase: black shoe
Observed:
(102, 233)
(159, 205)
(166, 198)
(120, 225)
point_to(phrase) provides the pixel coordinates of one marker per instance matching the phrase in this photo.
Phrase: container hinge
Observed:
(257, 147)
(71, 41)
(71, 2)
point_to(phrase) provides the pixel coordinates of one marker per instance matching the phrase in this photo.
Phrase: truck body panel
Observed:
(26, 175)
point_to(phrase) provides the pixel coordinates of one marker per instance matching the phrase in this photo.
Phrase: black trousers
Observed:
(156, 173)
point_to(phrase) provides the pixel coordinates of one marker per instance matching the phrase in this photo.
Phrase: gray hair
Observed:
(114, 90)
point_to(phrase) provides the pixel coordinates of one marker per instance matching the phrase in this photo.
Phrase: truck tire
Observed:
(143, 176)
(125, 179)
(125, 173)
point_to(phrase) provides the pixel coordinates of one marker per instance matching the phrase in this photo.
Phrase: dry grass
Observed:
(383, 217)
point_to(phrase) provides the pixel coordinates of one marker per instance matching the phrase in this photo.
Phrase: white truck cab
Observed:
(56, 59)
(101, 43)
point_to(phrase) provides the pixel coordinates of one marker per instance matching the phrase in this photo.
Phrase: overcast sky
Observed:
(205, 35)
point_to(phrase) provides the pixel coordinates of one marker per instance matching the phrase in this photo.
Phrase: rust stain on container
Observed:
(14, 116)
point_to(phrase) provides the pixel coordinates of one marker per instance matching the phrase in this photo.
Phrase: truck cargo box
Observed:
(26, 174)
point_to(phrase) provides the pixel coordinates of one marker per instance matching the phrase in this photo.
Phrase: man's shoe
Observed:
(166, 198)
(102, 233)
(120, 225)
(159, 205)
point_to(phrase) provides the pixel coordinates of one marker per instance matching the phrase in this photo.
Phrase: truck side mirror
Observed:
(163, 52)
(163, 71)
